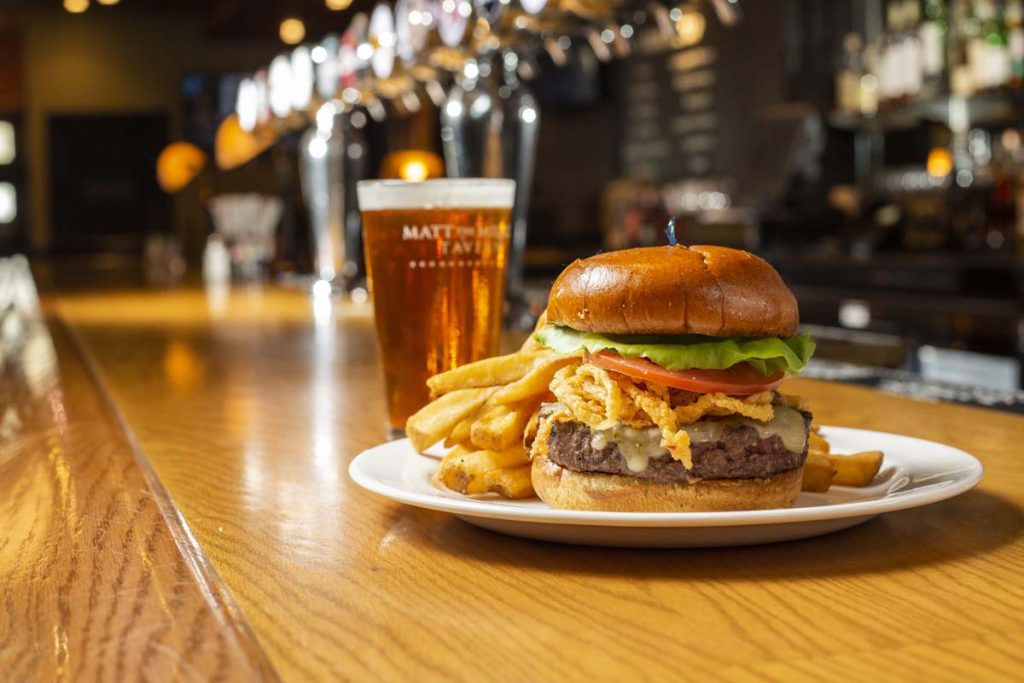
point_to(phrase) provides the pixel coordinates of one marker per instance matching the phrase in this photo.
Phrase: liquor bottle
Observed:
(974, 41)
(914, 50)
(999, 228)
(995, 69)
(890, 84)
(848, 77)
(960, 73)
(911, 69)
(1015, 28)
(869, 81)
(933, 35)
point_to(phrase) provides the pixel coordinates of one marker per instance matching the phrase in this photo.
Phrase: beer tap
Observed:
(321, 170)
(471, 123)
(522, 123)
(332, 157)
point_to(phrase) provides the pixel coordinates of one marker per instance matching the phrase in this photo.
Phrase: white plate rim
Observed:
(971, 474)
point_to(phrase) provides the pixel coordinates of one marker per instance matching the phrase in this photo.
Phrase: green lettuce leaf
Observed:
(767, 355)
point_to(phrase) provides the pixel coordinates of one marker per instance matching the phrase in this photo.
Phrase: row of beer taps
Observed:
(473, 60)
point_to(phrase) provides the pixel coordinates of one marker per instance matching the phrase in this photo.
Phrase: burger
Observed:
(674, 406)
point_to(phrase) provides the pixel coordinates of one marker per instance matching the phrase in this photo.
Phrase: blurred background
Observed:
(870, 149)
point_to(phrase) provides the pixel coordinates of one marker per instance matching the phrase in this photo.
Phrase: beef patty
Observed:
(740, 454)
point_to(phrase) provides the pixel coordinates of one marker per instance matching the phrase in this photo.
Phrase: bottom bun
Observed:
(571, 490)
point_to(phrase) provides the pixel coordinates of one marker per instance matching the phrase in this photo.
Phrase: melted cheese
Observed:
(639, 445)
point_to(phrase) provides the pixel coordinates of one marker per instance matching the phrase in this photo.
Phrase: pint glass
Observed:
(436, 253)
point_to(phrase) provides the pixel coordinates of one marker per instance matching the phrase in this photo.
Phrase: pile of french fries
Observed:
(824, 468)
(484, 412)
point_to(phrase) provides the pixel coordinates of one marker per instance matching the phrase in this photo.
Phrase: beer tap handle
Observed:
(435, 91)
(558, 55)
(597, 45)
(411, 101)
(663, 21)
(375, 108)
(620, 44)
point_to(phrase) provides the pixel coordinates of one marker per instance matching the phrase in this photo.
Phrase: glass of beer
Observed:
(436, 253)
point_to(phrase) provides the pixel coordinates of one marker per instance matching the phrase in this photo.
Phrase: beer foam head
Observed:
(441, 193)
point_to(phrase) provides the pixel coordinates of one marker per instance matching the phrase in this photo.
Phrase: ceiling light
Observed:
(8, 149)
(292, 31)
(8, 203)
(690, 28)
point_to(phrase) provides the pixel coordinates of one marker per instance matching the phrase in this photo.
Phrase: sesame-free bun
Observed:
(568, 489)
(714, 291)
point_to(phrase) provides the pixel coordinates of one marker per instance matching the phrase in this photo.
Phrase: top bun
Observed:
(713, 291)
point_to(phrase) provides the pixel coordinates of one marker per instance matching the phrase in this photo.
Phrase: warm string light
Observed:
(337, 5)
(108, 2)
(414, 171)
(690, 27)
(413, 165)
(940, 162)
(233, 146)
(76, 6)
(292, 31)
(178, 165)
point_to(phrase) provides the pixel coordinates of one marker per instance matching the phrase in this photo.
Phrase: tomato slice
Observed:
(739, 380)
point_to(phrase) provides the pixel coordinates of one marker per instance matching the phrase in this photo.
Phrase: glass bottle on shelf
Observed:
(848, 78)
(933, 35)
(974, 41)
(890, 82)
(910, 68)
(869, 94)
(1015, 31)
(995, 58)
(961, 81)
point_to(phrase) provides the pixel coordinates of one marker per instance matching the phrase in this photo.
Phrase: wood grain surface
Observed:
(98, 579)
(250, 408)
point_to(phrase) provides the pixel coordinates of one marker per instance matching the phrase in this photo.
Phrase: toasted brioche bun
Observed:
(567, 489)
(712, 291)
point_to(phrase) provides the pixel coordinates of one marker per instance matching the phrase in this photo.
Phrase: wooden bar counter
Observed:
(174, 504)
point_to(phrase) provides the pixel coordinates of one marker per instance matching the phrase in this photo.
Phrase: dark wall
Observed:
(576, 152)
(105, 196)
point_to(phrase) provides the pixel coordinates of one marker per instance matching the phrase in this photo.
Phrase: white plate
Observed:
(915, 472)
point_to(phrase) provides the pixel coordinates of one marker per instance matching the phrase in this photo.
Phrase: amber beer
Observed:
(436, 253)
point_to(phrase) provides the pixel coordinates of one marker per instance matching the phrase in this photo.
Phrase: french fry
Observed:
(434, 421)
(511, 482)
(502, 426)
(534, 383)
(479, 471)
(816, 442)
(856, 469)
(489, 372)
(457, 450)
(460, 432)
(818, 472)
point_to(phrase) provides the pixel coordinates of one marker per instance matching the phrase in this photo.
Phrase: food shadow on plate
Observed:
(972, 524)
